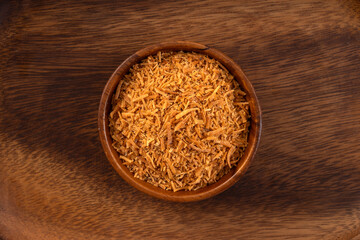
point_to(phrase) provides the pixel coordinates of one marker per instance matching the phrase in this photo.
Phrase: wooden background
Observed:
(303, 58)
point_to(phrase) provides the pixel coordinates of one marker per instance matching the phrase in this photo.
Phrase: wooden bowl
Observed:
(182, 196)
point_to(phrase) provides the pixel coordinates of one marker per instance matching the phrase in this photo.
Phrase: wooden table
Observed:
(303, 58)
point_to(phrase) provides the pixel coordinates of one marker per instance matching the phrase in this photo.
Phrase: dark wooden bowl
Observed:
(182, 196)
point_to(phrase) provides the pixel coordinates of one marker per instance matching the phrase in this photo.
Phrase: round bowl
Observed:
(181, 196)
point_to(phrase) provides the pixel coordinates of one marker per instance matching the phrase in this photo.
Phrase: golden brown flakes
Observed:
(181, 124)
(230, 153)
(216, 132)
(183, 113)
(140, 98)
(179, 120)
(126, 159)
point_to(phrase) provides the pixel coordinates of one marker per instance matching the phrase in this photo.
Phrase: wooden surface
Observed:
(302, 57)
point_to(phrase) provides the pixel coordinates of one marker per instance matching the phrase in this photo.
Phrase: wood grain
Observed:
(301, 56)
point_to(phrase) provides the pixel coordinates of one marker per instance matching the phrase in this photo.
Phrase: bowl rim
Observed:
(224, 182)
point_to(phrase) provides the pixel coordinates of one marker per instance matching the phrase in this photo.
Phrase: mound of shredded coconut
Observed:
(179, 120)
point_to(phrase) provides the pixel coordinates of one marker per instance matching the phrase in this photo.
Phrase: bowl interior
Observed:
(181, 196)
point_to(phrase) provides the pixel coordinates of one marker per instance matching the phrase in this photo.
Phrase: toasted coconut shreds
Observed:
(179, 120)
